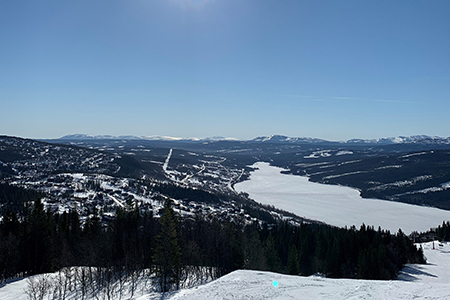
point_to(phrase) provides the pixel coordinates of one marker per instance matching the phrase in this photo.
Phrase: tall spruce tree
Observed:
(10, 231)
(167, 253)
(38, 246)
(292, 261)
(273, 261)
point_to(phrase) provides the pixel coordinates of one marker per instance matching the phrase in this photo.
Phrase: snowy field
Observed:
(430, 281)
(335, 205)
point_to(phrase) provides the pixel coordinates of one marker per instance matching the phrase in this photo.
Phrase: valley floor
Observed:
(430, 281)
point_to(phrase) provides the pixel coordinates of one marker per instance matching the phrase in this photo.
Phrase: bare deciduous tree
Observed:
(38, 287)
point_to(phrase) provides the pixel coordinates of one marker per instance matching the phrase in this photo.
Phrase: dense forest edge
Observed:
(38, 241)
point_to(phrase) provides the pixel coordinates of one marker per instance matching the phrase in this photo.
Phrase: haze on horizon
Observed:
(200, 68)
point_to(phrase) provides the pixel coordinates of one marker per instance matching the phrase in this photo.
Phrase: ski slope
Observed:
(335, 205)
(430, 281)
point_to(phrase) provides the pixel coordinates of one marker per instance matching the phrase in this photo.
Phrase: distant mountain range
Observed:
(415, 139)
(148, 138)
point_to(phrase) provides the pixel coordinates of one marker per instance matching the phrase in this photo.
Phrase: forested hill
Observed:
(407, 169)
(69, 177)
(43, 241)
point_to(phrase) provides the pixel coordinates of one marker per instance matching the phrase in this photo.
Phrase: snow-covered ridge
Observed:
(415, 139)
(285, 139)
(148, 138)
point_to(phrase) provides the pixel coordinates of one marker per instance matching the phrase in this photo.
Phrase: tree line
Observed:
(13, 198)
(42, 241)
(441, 233)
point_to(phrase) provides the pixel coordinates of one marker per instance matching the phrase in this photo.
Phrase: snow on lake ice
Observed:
(335, 205)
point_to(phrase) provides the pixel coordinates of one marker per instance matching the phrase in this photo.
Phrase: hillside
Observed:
(406, 169)
(101, 180)
(430, 281)
(416, 282)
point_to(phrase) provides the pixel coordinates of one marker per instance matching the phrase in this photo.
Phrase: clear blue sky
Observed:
(237, 68)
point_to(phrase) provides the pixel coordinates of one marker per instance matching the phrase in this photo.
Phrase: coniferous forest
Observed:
(39, 241)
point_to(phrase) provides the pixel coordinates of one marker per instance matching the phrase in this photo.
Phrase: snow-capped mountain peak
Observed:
(286, 139)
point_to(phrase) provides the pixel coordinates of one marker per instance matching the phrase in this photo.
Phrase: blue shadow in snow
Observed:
(410, 273)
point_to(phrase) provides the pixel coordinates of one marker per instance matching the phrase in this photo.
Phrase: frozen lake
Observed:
(335, 205)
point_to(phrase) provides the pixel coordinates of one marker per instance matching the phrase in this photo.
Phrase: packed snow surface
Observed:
(335, 205)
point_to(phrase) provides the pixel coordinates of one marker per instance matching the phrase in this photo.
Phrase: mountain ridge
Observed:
(414, 139)
(148, 138)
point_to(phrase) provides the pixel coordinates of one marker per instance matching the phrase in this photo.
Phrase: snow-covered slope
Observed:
(430, 281)
(335, 205)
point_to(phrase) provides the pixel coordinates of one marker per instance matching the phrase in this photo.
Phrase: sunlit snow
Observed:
(430, 281)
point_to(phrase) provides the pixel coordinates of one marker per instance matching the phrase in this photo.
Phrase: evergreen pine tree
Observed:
(362, 265)
(273, 261)
(292, 261)
(167, 253)
(9, 245)
(255, 258)
(38, 248)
